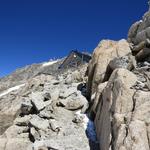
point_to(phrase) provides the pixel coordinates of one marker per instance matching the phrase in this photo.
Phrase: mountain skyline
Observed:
(36, 31)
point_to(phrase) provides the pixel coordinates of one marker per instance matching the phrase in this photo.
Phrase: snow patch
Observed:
(49, 63)
(88, 126)
(11, 89)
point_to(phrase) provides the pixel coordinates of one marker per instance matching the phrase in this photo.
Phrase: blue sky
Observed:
(33, 31)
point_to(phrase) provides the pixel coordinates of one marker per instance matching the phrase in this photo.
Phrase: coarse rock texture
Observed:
(119, 90)
(139, 38)
(140, 30)
(116, 103)
(121, 110)
(96, 97)
(106, 51)
(41, 113)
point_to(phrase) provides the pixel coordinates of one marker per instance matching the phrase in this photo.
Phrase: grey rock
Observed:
(78, 119)
(75, 77)
(51, 144)
(23, 121)
(54, 125)
(31, 119)
(55, 94)
(139, 31)
(47, 96)
(34, 133)
(126, 62)
(39, 123)
(106, 51)
(96, 100)
(15, 144)
(55, 82)
(46, 114)
(17, 132)
(26, 106)
(66, 92)
(74, 102)
(37, 100)
(68, 79)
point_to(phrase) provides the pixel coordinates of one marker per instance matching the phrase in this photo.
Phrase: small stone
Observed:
(22, 121)
(35, 134)
(55, 94)
(78, 119)
(46, 114)
(47, 96)
(39, 123)
(42, 148)
(26, 106)
(67, 92)
(54, 126)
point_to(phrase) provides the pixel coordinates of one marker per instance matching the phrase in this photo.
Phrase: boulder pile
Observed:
(47, 113)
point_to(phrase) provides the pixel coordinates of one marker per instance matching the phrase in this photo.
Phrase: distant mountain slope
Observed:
(21, 75)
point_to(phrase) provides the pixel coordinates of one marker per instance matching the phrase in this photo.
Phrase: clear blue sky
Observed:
(33, 31)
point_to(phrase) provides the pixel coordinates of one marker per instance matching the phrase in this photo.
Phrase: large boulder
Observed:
(106, 51)
(15, 138)
(74, 101)
(140, 30)
(15, 144)
(122, 119)
(9, 108)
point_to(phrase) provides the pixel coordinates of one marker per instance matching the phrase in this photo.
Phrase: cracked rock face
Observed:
(115, 108)
(119, 90)
(122, 115)
(121, 106)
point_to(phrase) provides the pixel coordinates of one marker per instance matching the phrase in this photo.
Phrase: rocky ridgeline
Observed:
(119, 90)
(47, 112)
(21, 75)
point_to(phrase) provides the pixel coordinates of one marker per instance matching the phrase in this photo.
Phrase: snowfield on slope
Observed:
(11, 89)
(49, 63)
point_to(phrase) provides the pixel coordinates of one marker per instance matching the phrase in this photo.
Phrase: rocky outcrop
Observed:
(140, 31)
(138, 37)
(119, 90)
(106, 51)
(121, 108)
(116, 114)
